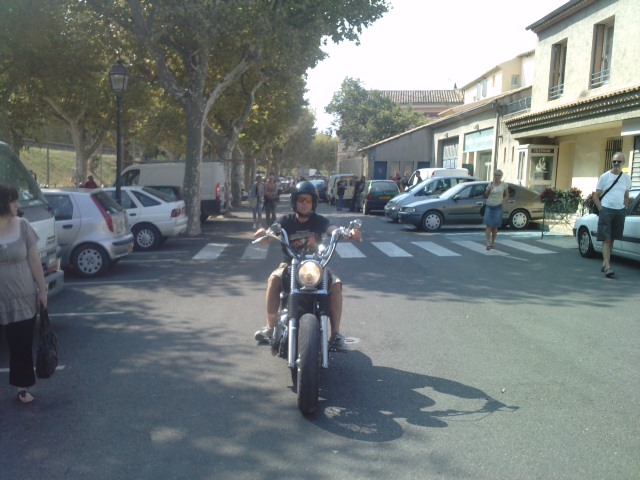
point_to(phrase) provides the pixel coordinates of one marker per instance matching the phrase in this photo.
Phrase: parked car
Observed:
(461, 205)
(91, 228)
(586, 232)
(376, 193)
(426, 173)
(428, 188)
(321, 186)
(153, 216)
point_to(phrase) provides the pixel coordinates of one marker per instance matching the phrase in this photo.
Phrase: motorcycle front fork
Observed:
(293, 341)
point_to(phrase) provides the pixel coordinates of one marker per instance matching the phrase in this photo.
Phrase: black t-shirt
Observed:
(299, 233)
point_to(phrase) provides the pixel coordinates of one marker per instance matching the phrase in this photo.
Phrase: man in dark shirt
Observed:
(304, 228)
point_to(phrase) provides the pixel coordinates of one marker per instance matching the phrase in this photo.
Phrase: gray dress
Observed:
(18, 290)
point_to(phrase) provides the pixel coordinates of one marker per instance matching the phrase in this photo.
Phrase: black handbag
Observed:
(595, 209)
(47, 354)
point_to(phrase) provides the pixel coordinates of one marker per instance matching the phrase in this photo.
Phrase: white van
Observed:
(426, 173)
(332, 188)
(34, 207)
(168, 177)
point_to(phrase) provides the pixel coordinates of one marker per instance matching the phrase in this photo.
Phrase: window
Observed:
(556, 79)
(601, 60)
(481, 89)
(515, 80)
(61, 205)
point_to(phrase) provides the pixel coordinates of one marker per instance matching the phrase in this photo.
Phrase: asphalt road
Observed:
(517, 363)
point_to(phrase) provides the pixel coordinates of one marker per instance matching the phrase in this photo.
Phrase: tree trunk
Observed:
(195, 138)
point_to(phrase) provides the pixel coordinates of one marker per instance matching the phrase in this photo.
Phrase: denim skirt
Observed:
(493, 216)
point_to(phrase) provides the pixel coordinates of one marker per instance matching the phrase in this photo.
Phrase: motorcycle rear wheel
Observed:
(308, 364)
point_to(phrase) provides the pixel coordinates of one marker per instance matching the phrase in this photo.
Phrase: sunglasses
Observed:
(617, 162)
(304, 200)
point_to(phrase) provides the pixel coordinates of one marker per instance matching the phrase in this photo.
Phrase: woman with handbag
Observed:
(22, 288)
(497, 192)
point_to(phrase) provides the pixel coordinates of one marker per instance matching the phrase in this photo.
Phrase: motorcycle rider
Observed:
(304, 228)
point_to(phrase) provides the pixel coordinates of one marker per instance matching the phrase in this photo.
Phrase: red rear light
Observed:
(218, 191)
(369, 197)
(176, 212)
(105, 214)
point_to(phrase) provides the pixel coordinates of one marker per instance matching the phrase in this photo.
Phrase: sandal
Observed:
(608, 272)
(25, 397)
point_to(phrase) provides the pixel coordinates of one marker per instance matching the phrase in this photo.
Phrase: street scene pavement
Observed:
(515, 363)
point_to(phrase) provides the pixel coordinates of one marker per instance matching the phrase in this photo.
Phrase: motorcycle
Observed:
(301, 334)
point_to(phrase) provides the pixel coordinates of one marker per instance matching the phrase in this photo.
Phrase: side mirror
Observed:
(456, 197)
(276, 228)
(355, 224)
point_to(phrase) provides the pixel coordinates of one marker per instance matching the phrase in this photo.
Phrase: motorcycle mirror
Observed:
(276, 229)
(355, 224)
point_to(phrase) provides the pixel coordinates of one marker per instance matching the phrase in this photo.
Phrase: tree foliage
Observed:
(363, 117)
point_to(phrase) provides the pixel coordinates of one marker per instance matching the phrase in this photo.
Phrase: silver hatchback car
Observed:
(91, 228)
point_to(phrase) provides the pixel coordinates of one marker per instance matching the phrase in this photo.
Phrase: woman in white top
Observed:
(497, 192)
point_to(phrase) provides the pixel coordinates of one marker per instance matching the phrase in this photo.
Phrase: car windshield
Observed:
(383, 186)
(157, 193)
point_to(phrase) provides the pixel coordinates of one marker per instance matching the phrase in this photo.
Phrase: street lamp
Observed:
(119, 78)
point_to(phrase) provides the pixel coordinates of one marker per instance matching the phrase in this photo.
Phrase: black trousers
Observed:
(20, 340)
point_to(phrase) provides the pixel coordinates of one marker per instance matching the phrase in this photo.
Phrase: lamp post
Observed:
(119, 78)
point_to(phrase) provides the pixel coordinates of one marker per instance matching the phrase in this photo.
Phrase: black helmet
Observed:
(304, 188)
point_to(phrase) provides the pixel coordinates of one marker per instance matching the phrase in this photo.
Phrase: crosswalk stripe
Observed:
(479, 248)
(564, 242)
(255, 252)
(525, 247)
(391, 249)
(436, 249)
(210, 251)
(349, 250)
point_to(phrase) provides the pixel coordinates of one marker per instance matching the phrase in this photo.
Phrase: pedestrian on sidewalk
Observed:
(270, 200)
(497, 192)
(612, 200)
(341, 189)
(256, 198)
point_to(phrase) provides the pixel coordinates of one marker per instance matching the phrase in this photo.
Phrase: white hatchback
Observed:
(586, 232)
(153, 216)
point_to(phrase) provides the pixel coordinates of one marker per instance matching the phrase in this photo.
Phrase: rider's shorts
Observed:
(279, 272)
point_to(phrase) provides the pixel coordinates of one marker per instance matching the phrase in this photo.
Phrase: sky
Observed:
(428, 45)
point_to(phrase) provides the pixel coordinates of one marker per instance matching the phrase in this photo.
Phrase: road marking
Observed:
(480, 248)
(210, 251)
(391, 250)
(255, 252)
(84, 314)
(349, 250)
(436, 249)
(562, 242)
(525, 247)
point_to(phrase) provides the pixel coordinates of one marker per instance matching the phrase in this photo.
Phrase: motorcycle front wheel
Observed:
(308, 363)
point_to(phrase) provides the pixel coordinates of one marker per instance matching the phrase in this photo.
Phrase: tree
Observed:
(201, 47)
(364, 117)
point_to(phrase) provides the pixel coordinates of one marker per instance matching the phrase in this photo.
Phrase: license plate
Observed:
(385, 197)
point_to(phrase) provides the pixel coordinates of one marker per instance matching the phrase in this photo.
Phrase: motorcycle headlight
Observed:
(309, 273)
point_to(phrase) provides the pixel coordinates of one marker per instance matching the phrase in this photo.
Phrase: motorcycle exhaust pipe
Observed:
(324, 324)
(293, 337)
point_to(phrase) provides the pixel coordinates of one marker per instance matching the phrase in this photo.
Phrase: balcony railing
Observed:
(556, 91)
(600, 78)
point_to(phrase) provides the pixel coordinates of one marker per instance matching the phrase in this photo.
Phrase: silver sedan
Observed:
(461, 205)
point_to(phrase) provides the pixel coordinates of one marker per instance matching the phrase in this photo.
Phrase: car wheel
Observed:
(432, 221)
(519, 219)
(585, 245)
(146, 236)
(90, 260)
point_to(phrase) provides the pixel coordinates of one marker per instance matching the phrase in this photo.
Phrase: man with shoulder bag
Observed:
(611, 200)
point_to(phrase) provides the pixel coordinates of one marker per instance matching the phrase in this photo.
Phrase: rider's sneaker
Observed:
(264, 335)
(338, 343)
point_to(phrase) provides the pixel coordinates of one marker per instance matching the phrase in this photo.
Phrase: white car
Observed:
(153, 215)
(586, 232)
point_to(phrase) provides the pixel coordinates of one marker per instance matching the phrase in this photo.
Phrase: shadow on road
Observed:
(365, 402)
